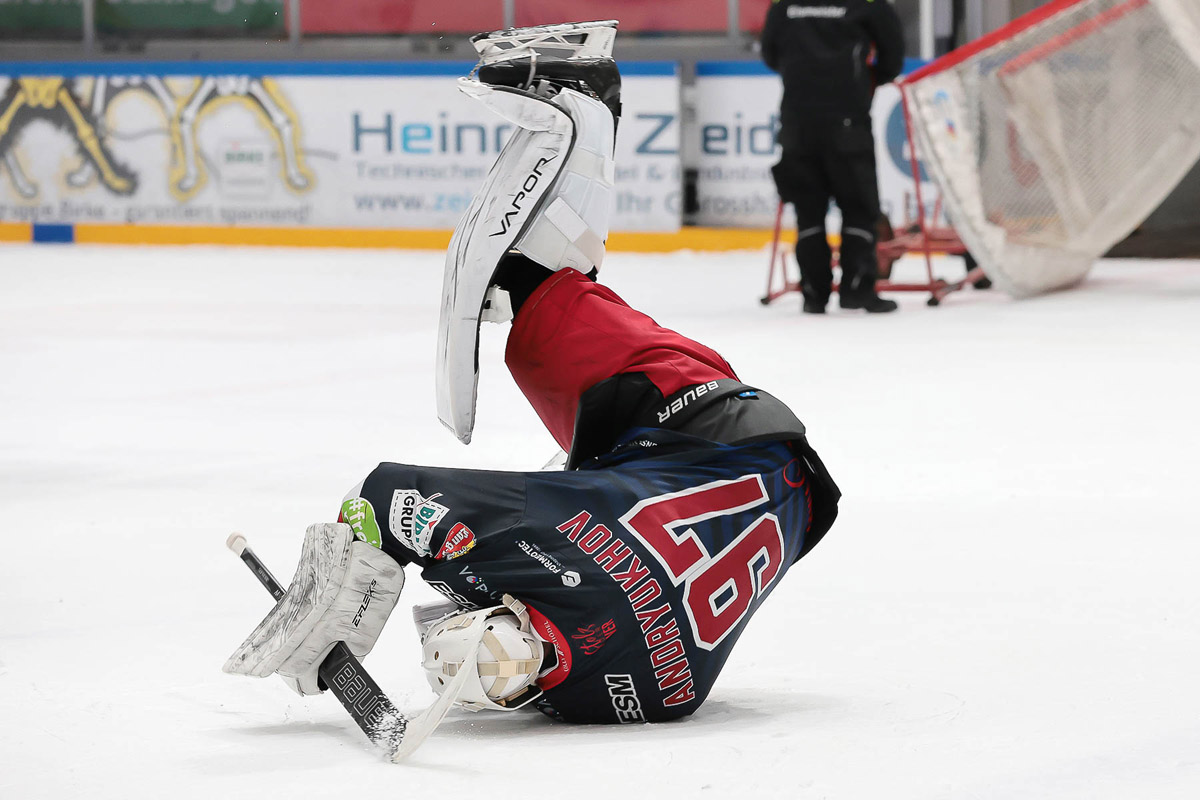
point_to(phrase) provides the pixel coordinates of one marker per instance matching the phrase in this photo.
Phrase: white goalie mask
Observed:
(497, 645)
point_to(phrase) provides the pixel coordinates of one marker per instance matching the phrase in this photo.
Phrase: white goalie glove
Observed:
(344, 590)
(548, 196)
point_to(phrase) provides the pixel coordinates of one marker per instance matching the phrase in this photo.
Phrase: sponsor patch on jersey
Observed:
(540, 556)
(593, 637)
(459, 541)
(450, 594)
(359, 514)
(624, 698)
(477, 584)
(549, 633)
(413, 518)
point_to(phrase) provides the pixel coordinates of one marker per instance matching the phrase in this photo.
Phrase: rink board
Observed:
(732, 144)
(368, 154)
(689, 238)
(371, 146)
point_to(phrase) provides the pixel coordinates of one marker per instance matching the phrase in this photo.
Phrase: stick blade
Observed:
(420, 726)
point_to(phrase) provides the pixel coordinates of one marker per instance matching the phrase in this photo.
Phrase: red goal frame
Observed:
(930, 237)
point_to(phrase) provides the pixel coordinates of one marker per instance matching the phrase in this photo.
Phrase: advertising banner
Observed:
(159, 17)
(281, 144)
(733, 146)
(178, 17)
(636, 16)
(46, 17)
(419, 17)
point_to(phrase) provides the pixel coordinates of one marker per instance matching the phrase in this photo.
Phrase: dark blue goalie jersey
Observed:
(640, 571)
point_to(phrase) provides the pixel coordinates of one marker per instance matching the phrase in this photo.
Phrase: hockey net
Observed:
(1053, 138)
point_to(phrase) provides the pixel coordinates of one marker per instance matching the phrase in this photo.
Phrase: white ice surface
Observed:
(1007, 607)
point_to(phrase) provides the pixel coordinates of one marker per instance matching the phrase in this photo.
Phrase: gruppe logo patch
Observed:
(414, 517)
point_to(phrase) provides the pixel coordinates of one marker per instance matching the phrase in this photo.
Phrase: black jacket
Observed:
(822, 48)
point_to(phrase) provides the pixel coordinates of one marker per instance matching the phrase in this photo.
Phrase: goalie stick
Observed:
(355, 689)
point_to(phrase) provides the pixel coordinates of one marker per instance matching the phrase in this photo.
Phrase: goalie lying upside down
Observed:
(613, 590)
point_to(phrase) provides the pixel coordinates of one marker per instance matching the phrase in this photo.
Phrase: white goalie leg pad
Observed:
(571, 229)
(344, 590)
(549, 195)
(499, 213)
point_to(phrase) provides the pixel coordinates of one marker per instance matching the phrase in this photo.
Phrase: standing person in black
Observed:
(831, 55)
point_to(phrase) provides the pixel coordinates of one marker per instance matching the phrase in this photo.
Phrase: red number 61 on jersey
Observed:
(718, 589)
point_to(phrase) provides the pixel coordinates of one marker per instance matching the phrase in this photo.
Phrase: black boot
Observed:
(860, 271)
(598, 77)
(858, 277)
(812, 303)
(971, 264)
(860, 294)
(867, 301)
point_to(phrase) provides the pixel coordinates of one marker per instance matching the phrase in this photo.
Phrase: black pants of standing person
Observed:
(833, 158)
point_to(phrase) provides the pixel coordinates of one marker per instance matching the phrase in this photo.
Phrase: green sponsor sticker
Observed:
(360, 515)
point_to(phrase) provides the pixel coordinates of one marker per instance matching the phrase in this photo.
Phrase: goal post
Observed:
(1055, 136)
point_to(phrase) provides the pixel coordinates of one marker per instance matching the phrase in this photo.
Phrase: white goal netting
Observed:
(1053, 139)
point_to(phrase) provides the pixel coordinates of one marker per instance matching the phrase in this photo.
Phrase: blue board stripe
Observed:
(708, 68)
(727, 68)
(270, 69)
(648, 68)
(73, 69)
(46, 233)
